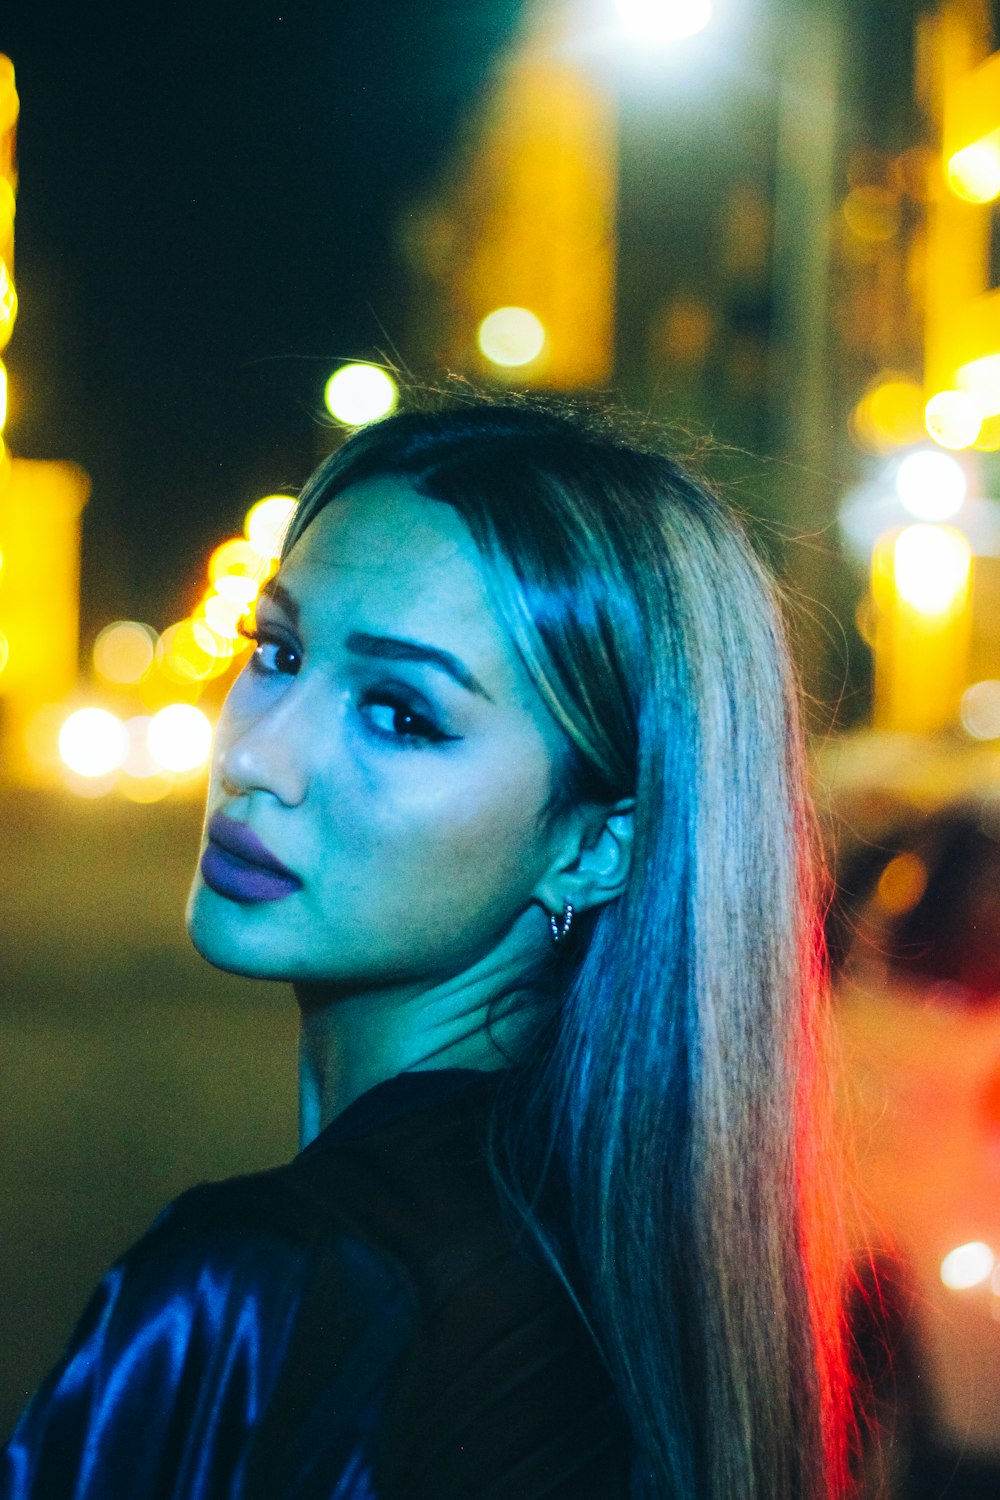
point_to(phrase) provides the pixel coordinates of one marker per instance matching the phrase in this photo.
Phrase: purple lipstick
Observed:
(237, 865)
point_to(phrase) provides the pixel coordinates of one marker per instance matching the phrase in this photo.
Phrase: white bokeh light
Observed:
(967, 1266)
(931, 567)
(953, 419)
(123, 652)
(931, 484)
(663, 20)
(980, 710)
(974, 172)
(358, 394)
(267, 521)
(179, 737)
(93, 742)
(511, 336)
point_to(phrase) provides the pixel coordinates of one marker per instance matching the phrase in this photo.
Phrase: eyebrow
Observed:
(394, 648)
(272, 589)
(387, 647)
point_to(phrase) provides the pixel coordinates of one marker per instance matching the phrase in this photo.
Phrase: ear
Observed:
(592, 858)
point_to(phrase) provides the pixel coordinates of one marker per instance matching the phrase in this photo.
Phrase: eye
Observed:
(272, 657)
(391, 717)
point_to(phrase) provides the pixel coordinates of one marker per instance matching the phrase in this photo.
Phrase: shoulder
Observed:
(348, 1221)
(212, 1336)
(274, 1240)
(230, 1273)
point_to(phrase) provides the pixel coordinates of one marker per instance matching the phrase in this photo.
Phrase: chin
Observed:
(221, 933)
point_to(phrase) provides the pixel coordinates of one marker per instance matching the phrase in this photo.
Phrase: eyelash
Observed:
(427, 734)
(262, 638)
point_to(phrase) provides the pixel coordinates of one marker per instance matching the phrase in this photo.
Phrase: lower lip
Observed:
(230, 876)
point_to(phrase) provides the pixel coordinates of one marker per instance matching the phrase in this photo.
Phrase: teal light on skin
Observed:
(404, 785)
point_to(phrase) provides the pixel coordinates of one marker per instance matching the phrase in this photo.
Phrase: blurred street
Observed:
(129, 1069)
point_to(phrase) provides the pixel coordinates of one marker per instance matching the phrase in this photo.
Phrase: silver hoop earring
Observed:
(559, 928)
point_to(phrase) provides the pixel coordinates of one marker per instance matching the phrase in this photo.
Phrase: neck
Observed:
(351, 1042)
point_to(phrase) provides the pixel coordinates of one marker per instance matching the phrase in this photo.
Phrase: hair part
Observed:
(665, 1105)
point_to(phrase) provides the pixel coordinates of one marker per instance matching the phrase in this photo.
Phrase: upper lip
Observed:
(238, 839)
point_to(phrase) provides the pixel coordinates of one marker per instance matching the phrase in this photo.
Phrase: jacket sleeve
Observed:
(217, 1359)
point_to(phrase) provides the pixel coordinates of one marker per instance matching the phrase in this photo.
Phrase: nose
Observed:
(268, 752)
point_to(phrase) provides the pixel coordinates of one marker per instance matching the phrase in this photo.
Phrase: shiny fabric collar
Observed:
(405, 1094)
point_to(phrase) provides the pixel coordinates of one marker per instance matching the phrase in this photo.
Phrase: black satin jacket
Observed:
(357, 1325)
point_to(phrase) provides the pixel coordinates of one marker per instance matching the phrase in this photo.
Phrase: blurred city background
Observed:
(768, 226)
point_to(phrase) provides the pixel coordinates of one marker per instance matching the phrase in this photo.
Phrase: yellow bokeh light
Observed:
(8, 91)
(8, 304)
(663, 20)
(4, 650)
(511, 336)
(238, 556)
(3, 394)
(93, 742)
(181, 656)
(222, 616)
(974, 172)
(967, 1265)
(980, 379)
(902, 883)
(988, 440)
(890, 414)
(218, 645)
(872, 213)
(931, 567)
(147, 789)
(953, 419)
(896, 408)
(358, 394)
(7, 207)
(180, 737)
(236, 589)
(266, 523)
(123, 651)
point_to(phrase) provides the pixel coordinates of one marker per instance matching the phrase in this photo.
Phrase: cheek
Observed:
(488, 829)
(455, 836)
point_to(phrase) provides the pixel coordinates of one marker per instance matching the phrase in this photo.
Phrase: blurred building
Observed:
(512, 256)
(932, 612)
(40, 505)
(759, 234)
(624, 204)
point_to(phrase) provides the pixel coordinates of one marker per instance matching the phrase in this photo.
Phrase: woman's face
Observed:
(385, 746)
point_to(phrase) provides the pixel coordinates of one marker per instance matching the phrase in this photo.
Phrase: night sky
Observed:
(204, 228)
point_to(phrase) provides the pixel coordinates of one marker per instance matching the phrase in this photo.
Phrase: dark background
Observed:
(203, 232)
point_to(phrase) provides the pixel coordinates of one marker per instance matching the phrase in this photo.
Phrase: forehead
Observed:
(384, 559)
(386, 544)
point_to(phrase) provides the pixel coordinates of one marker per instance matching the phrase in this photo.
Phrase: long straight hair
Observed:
(666, 1093)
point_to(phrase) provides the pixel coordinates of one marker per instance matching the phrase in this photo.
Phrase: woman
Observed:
(511, 791)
